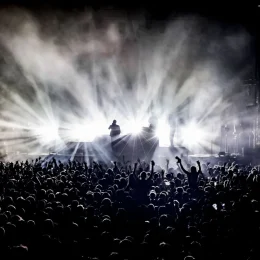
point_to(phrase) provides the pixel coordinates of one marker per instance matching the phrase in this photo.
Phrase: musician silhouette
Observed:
(115, 130)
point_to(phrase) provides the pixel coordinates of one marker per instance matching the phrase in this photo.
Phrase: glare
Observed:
(82, 134)
(163, 134)
(134, 127)
(112, 79)
(47, 133)
(192, 134)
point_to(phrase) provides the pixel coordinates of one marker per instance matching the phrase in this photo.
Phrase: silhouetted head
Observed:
(143, 175)
(114, 122)
(193, 169)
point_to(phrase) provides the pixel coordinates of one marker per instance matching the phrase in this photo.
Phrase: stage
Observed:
(160, 156)
(131, 147)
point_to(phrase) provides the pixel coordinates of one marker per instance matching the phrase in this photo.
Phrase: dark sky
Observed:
(236, 11)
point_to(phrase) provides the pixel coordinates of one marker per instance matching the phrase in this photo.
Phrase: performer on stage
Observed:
(115, 130)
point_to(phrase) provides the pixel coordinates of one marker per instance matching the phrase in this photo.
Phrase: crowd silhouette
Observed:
(55, 210)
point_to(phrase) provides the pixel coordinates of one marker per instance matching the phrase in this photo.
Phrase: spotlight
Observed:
(163, 134)
(83, 134)
(136, 129)
(192, 134)
(91, 134)
(77, 133)
(47, 133)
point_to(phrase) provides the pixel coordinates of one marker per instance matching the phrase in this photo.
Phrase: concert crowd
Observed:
(54, 210)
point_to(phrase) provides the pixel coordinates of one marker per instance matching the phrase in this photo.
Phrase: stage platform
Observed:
(159, 156)
(130, 147)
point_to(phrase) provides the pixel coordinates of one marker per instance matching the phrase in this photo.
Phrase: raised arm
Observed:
(167, 164)
(199, 171)
(162, 174)
(181, 166)
(116, 169)
(134, 172)
(152, 170)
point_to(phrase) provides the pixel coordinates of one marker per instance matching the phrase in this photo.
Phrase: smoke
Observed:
(72, 68)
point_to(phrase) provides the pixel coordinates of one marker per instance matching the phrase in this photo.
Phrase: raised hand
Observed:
(153, 163)
(178, 159)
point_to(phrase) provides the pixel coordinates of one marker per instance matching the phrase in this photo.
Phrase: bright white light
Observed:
(47, 133)
(83, 133)
(100, 127)
(192, 134)
(87, 131)
(133, 127)
(136, 129)
(78, 133)
(163, 133)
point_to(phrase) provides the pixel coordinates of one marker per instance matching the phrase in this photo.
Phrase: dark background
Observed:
(244, 12)
(227, 14)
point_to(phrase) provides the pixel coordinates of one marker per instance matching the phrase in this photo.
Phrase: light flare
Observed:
(193, 134)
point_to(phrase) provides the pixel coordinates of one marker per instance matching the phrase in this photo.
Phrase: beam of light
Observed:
(133, 126)
(163, 133)
(136, 129)
(82, 133)
(47, 134)
(97, 75)
(193, 135)
(87, 132)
